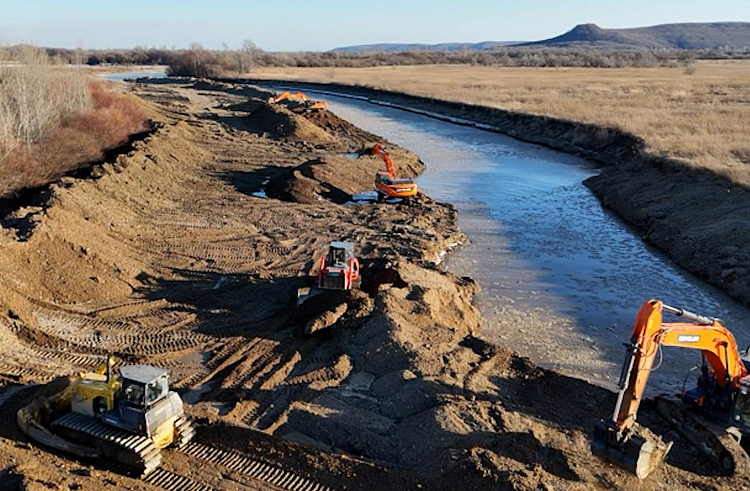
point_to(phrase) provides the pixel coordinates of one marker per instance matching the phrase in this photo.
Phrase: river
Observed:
(562, 278)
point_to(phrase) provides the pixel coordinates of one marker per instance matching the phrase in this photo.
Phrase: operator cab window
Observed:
(742, 406)
(337, 257)
(156, 389)
(133, 393)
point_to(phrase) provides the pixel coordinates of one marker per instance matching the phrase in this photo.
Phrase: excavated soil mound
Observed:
(341, 128)
(334, 178)
(280, 123)
(329, 178)
(246, 107)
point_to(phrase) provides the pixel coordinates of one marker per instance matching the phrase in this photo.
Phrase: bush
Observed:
(65, 136)
(197, 62)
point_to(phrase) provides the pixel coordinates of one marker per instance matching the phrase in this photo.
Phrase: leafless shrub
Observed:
(34, 96)
(196, 62)
(52, 120)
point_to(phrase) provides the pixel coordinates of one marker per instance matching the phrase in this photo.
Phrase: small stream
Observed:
(562, 278)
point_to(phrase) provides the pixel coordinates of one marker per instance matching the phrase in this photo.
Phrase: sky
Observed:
(318, 25)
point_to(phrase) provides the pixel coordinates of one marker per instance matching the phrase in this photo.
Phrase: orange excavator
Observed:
(300, 98)
(387, 184)
(721, 395)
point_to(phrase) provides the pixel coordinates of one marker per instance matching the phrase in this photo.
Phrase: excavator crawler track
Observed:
(715, 442)
(137, 453)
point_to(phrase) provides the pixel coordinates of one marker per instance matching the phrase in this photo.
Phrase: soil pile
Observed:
(281, 123)
(332, 178)
(171, 258)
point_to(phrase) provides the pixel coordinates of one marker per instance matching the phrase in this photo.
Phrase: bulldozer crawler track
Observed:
(241, 464)
(141, 455)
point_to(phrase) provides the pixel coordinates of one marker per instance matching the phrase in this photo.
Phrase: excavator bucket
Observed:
(639, 454)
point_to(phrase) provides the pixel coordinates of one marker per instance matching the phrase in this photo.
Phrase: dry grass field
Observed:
(700, 115)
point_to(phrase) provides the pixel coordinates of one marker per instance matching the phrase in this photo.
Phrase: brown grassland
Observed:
(699, 114)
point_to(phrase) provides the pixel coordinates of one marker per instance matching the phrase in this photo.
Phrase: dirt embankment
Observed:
(694, 215)
(172, 256)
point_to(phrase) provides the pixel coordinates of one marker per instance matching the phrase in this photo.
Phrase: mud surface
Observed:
(169, 257)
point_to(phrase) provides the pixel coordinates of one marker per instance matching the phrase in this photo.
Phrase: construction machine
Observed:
(387, 184)
(125, 419)
(303, 101)
(338, 270)
(713, 416)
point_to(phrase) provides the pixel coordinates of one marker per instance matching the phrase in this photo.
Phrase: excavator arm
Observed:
(616, 440)
(649, 334)
(390, 169)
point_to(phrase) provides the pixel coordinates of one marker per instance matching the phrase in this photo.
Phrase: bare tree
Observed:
(34, 96)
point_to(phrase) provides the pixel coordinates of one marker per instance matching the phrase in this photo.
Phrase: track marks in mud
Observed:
(174, 482)
(236, 462)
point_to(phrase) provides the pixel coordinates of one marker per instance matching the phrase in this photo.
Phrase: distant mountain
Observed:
(401, 47)
(675, 36)
(681, 36)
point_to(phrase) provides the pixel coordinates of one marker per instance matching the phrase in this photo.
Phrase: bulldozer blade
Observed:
(306, 293)
(635, 453)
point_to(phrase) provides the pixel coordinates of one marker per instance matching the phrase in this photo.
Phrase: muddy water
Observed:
(562, 278)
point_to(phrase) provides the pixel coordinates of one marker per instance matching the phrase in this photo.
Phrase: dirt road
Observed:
(187, 252)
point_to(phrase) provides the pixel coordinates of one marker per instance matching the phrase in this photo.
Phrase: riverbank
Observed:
(663, 197)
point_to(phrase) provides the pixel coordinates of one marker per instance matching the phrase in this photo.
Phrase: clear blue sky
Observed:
(290, 25)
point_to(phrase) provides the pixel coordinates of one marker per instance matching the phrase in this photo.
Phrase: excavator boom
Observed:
(389, 168)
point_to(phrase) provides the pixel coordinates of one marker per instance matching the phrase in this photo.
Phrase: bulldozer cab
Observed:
(145, 401)
(143, 386)
(339, 254)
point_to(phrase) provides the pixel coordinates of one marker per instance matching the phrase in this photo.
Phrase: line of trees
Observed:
(202, 62)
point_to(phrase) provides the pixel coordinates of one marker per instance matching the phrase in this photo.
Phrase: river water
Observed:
(122, 76)
(561, 277)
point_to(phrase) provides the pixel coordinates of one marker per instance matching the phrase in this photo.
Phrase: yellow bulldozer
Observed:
(125, 419)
